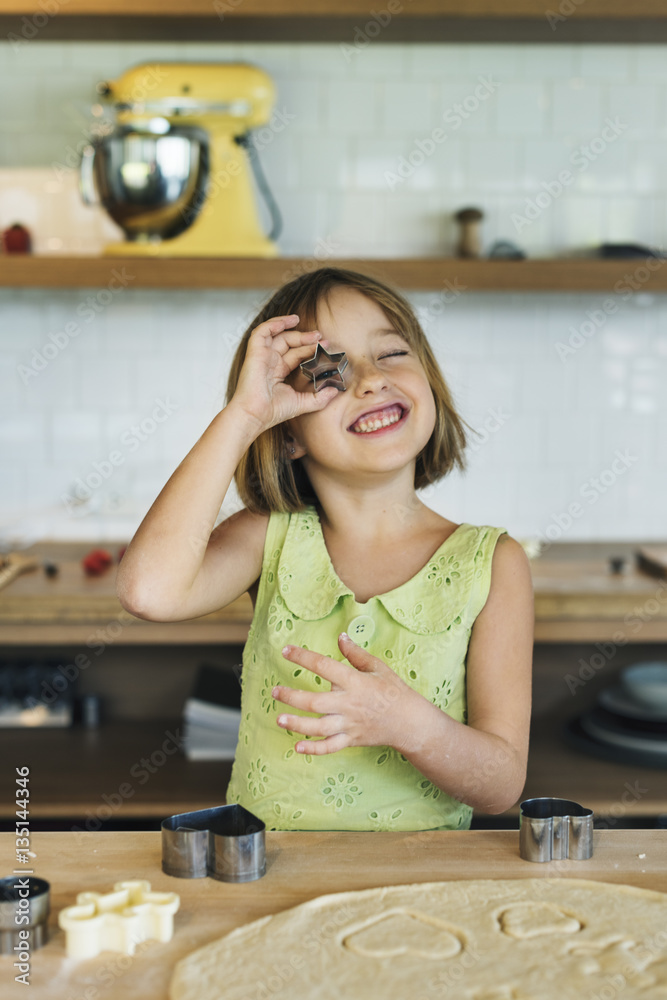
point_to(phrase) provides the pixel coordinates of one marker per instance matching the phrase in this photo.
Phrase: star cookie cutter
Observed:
(225, 842)
(325, 369)
(552, 829)
(118, 920)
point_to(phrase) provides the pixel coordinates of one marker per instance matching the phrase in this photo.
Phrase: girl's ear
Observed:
(292, 448)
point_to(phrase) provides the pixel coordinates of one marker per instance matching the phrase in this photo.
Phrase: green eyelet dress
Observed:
(420, 629)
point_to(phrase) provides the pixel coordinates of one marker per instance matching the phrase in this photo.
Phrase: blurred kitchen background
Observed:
(567, 389)
(350, 116)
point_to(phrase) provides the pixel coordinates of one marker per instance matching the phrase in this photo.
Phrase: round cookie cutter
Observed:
(22, 897)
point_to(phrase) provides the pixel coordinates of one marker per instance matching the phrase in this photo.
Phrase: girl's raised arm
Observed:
(176, 567)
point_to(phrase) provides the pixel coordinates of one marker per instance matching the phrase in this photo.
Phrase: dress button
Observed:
(361, 629)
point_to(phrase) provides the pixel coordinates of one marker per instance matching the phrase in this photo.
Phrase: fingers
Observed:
(308, 701)
(327, 668)
(327, 725)
(310, 402)
(278, 323)
(283, 326)
(328, 745)
(295, 340)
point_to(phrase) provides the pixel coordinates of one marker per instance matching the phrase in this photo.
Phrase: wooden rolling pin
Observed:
(13, 565)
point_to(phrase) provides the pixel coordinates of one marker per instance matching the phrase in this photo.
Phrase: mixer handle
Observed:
(86, 176)
(246, 142)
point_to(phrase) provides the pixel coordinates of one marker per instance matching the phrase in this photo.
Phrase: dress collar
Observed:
(427, 603)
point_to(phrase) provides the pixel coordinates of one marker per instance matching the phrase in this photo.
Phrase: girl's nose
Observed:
(365, 376)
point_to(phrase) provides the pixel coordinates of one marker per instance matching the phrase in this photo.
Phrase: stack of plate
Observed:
(629, 722)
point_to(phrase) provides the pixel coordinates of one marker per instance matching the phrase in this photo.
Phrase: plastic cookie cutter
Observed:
(325, 369)
(225, 842)
(24, 908)
(551, 829)
(118, 920)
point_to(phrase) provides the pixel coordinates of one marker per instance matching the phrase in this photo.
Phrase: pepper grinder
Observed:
(469, 237)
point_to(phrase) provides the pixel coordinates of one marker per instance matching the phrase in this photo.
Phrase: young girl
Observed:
(386, 675)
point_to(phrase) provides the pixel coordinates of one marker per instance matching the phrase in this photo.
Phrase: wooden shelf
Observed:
(568, 274)
(492, 9)
(576, 600)
(333, 21)
(330, 21)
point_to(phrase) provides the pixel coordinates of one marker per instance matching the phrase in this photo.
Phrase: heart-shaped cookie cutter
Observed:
(225, 842)
(552, 829)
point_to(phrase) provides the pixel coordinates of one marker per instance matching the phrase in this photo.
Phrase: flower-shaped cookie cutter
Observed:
(325, 369)
(225, 842)
(118, 920)
(554, 829)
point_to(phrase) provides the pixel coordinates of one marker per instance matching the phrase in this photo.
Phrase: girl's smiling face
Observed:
(386, 414)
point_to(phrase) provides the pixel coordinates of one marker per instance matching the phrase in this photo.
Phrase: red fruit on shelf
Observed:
(96, 562)
(16, 239)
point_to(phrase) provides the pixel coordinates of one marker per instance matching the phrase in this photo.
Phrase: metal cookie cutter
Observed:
(20, 898)
(550, 829)
(325, 369)
(225, 842)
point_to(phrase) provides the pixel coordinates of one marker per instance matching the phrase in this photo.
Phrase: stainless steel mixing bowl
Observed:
(151, 184)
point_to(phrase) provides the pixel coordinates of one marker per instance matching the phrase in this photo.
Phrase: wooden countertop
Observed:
(300, 866)
(576, 600)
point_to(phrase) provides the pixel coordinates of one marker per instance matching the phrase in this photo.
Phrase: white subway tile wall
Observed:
(568, 400)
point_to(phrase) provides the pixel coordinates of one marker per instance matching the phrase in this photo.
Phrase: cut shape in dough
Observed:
(404, 932)
(562, 939)
(526, 920)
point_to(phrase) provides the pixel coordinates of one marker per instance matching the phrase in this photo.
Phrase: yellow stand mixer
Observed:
(174, 173)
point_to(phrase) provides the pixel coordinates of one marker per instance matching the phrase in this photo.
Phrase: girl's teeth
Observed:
(366, 426)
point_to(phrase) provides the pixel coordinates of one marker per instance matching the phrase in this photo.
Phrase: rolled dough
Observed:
(486, 939)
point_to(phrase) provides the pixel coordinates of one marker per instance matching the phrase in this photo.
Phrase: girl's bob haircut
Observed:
(266, 479)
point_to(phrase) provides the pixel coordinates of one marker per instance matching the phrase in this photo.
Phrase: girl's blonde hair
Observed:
(266, 479)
